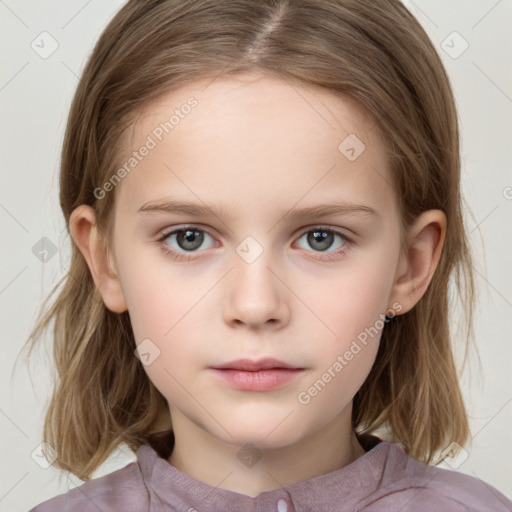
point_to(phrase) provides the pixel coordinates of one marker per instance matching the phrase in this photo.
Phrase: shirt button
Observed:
(282, 505)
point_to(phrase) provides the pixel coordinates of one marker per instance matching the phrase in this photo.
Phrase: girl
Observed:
(264, 204)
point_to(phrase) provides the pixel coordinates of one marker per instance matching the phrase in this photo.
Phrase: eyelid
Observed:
(330, 229)
(163, 233)
(183, 227)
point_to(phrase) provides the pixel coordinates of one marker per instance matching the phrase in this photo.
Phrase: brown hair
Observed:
(374, 52)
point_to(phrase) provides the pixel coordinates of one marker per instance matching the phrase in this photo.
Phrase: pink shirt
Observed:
(384, 479)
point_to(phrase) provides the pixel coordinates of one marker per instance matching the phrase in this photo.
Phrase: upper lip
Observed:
(254, 365)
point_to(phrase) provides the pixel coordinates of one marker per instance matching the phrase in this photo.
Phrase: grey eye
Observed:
(189, 239)
(322, 239)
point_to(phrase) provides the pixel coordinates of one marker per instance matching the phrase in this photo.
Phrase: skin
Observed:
(259, 147)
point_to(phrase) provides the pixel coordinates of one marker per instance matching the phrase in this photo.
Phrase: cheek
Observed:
(353, 316)
(156, 301)
(356, 296)
(168, 315)
(346, 356)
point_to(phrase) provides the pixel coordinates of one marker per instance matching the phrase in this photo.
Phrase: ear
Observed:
(425, 239)
(83, 229)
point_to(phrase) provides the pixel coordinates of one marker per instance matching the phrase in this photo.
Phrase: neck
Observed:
(250, 470)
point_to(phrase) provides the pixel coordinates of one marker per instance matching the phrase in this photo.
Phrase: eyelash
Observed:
(179, 256)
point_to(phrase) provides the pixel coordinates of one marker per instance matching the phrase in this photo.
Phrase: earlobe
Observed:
(83, 229)
(417, 266)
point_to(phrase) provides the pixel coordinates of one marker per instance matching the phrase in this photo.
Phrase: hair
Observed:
(373, 52)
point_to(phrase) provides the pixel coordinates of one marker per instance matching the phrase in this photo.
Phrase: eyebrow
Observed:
(201, 210)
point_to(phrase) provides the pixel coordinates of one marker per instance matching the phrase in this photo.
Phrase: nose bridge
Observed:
(256, 295)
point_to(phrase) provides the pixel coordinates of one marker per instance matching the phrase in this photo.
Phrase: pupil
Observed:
(186, 239)
(323, 239)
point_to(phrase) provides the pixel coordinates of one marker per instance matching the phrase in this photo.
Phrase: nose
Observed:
(257, 296)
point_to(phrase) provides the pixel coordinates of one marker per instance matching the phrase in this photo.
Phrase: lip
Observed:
(257, 375)
(254, 365)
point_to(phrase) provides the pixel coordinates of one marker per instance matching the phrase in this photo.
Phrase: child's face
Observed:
(256, 285)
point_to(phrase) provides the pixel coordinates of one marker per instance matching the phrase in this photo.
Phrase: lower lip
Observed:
(262, 380)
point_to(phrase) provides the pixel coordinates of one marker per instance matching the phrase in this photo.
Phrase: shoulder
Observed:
(123, 489)
(411, 486)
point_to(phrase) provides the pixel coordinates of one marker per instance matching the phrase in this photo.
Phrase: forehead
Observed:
(253, 138)
(245, 102)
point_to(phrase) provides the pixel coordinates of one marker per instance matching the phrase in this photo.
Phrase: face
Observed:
(264, 268)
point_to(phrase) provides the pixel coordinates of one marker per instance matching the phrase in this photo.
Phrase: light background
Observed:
(35, 95)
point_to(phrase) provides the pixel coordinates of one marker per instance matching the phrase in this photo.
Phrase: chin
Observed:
(264, 435)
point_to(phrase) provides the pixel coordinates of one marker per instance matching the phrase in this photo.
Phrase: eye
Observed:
(321, 239)
(180, 241)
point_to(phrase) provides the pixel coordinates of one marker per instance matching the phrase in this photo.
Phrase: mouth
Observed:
(257, 375)
(253, 365)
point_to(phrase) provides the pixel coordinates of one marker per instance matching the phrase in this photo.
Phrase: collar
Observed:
(171, 489)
